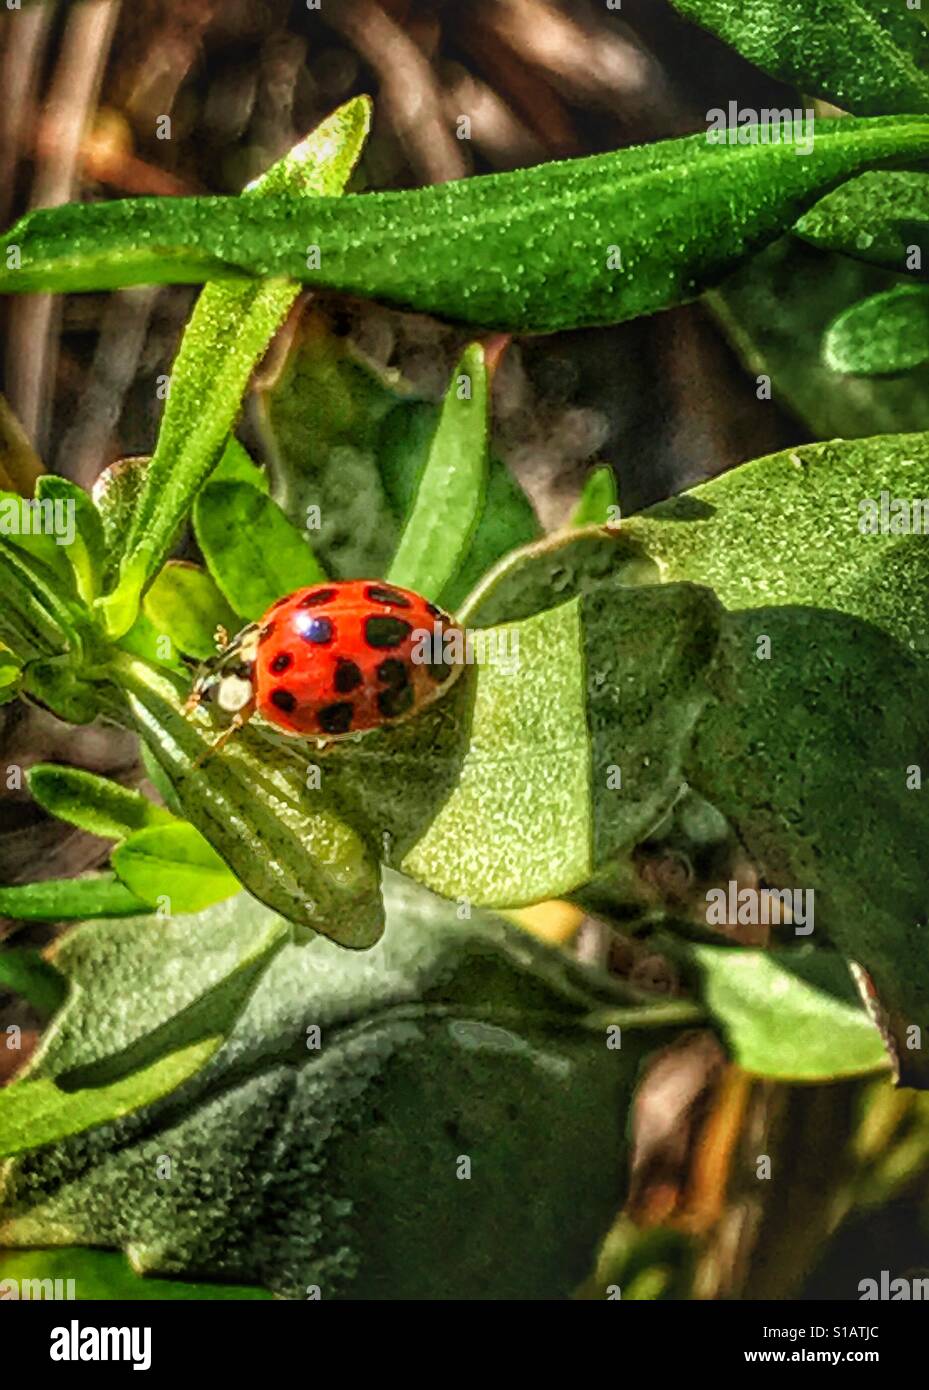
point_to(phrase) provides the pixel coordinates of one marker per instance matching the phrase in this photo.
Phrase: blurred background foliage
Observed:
(663, 403)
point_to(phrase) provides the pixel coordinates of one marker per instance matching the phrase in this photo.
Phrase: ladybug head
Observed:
(226, 681)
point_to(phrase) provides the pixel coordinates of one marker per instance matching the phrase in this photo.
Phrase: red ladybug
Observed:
(333, 660)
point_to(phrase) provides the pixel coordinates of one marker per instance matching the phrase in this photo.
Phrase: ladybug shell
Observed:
(338, 658)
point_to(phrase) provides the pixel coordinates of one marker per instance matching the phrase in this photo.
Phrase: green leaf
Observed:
(252, 550)
(866, 55)
(84, 540)
(791, 1015)
(26, 973)
(500, 792)
(506, 522)
(185, 605)
(228, 334)
(775, 312)
(284, 841)
(34, 620)
(116, 494)
(99, 1274)
(173, 865)
(597, 499)
(95, 804)
(24, 526)
(451, 490)
(790, 529)
(879, 218)
(831, 728)
(324, 419)
(69, 899)
(886, 333)
(236, 466)
(330, 1159)
(34, 1113)
(500, 251)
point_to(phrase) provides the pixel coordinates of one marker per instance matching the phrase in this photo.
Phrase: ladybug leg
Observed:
(238, 721)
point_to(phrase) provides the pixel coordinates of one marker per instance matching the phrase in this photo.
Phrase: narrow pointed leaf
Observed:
(598, 497)
(582, 242)
(95, 804)
(451, 490)
(228, 334)
(69, 899)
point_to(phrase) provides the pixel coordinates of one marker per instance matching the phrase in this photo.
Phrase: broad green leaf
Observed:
(564, 245)
(35, 1113)
(185, 605)
(775, 312)
(451, 491)
(500, 793)
(792, 529)
(879, 217)
(255, 803)
(28, 974)
(329, 1157)
(831, 726)
(228, 334)
(236, 466)
(884, 334)
(82, 531)
(69, 899)
(598, 497)
(95, 804)
(253, 552)
(173, 865)
(792, 1015)
(99, 1274)
(869, 56)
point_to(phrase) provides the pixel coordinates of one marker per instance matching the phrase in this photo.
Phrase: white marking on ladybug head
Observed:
(234, 694)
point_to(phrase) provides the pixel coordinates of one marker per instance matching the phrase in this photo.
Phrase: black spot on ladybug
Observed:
(318, 631)
(337, 718)
(439, 671)
(392, 671)
(266, 631)
(386, 632)
(378, 594)
(316, 597)
(347, 676)
(284, 700)
(282, 662)
(392, 703)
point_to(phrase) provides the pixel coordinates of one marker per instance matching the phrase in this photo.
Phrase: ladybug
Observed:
(333, 660)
